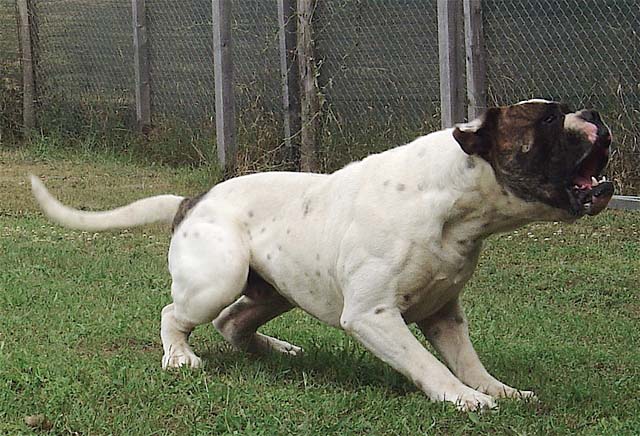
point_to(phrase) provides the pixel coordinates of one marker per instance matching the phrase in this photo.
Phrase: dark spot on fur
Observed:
(306, 207)
(422, 153)
(262, 230)
(279, 247)
(386, 183)
(184, 234)
(420, 186)
(317, 256)
(183, 209)
(318, 273)
(400, 187)
(471, 163)
(288, 231)
(250, 214)
(407, 297)
(268, 256)
(273, 220)
(379, 310)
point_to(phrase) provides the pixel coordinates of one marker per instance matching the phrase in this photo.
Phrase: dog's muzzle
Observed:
(589, 191)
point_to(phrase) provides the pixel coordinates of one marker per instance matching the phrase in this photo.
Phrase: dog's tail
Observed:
(161, 208)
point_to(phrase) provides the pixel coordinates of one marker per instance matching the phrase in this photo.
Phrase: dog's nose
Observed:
(593, 117)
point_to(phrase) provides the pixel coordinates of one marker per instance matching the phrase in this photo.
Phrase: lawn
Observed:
(553, 307)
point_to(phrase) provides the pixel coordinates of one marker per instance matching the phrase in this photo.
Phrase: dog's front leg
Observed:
(448, 332)
(383, 331)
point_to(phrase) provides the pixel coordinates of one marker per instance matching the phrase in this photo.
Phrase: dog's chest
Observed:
(445, 272)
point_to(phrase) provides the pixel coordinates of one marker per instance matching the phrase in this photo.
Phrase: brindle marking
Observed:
(185, 206)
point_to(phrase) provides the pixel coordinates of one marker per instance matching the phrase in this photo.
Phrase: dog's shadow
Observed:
(350, 367)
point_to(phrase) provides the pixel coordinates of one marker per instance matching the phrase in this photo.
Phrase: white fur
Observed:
(386, 241)
(535, 100)
(161, 208)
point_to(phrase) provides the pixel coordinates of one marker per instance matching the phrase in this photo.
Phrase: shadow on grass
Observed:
(347, 369)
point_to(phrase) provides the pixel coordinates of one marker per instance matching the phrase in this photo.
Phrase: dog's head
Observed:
(541, 152)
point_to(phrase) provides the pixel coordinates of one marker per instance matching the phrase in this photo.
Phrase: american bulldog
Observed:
(380, 244)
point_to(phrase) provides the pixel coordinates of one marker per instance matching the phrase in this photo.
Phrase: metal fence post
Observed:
(451, 58)
(474, 48)
(25, 15)
(223, 71)
(310, 106)
(287, 22)
(141, 65)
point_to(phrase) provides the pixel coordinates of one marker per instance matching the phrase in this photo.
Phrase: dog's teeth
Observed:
(594, 181)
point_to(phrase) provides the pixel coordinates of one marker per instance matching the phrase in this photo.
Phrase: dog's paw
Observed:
(521, 395)
(472, 400)
(286, 348)
(504, 391)
(176, 359)
(269, 344)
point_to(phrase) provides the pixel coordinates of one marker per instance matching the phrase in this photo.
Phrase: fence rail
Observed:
(362, 76)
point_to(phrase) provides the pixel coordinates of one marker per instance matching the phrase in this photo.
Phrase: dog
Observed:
(375, 246)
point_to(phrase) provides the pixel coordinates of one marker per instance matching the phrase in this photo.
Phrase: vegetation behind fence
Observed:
(377, 71)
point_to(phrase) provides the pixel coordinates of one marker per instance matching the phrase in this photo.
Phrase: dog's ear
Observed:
(478, 136)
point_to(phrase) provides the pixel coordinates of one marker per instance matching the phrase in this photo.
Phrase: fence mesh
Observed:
(258, 92)
(181, 55)
(84, 61)
(10, 84)
(377, 67)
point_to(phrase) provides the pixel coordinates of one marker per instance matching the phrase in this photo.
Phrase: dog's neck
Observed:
(484, 206)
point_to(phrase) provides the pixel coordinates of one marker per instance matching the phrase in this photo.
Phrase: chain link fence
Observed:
(377, 75)
(84, 61)
(10, 83)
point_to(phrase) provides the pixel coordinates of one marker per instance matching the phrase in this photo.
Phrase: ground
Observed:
(553, 307)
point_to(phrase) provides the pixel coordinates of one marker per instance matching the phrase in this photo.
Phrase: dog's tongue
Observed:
(582, 182)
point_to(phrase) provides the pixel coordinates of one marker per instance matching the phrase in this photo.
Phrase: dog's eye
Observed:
(550, 119)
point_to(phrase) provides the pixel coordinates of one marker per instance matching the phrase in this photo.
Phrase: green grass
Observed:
(552, 307)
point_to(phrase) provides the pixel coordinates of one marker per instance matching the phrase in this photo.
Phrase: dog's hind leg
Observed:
(209, 264)
(238, 322)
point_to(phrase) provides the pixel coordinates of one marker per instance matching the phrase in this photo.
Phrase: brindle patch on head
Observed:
(183, 209)
(530, 149)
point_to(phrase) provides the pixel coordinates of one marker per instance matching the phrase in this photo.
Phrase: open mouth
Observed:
(591, 192)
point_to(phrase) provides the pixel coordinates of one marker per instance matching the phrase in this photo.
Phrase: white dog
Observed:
(377, 245)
